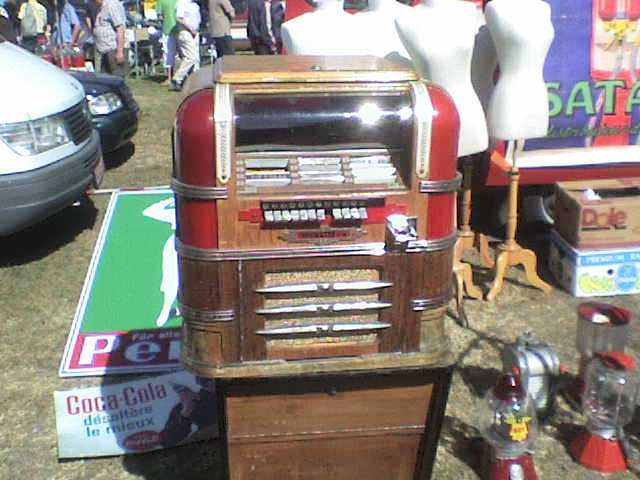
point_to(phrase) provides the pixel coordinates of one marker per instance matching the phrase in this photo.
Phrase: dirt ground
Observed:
(41, 275)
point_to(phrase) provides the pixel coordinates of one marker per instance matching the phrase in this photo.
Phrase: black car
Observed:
(113, 109)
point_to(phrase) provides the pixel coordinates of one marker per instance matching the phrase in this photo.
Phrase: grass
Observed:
(147, 162)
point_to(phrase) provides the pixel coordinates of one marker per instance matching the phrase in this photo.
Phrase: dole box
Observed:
(599, 214)
(594, 273)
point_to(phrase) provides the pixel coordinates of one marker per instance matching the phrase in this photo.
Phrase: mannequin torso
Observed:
(377, 24)
(439, 36)
(522, 33)
(483, 66)
(328, 30)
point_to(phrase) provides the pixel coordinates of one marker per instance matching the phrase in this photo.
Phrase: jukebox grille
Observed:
(319, 276)
(327, 309)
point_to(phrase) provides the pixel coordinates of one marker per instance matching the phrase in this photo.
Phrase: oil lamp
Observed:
(601, 328)
(608, 403)
(508, 425)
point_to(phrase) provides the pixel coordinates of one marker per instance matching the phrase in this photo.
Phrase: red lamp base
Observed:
(597, 453)
(518, 468)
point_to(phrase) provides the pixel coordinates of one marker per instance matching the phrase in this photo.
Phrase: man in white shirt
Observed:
(186, 32)
(33, 21)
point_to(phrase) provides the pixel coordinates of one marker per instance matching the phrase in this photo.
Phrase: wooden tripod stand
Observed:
(468, 240)
(510, 253)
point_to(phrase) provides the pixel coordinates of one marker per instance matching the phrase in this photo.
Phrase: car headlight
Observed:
(35, 136)
(104, 104)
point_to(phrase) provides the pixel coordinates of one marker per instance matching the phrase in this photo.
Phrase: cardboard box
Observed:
(608, 219)
(594, 273)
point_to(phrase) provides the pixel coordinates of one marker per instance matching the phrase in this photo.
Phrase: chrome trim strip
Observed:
(206, 315)
(325, 287)
(423, 112)
(324, 328)
(215, 255)
(194, 191)
(421, 304)
(375, 249)
(323, 308)
(441, 186)
(418, 246)
(223, 120)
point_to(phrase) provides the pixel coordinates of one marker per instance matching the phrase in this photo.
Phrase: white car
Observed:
(49, 151)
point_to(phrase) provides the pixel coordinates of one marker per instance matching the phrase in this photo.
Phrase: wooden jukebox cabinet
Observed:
(315, 199)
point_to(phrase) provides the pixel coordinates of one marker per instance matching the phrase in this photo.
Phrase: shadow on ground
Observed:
(38, 241)
(120, 156)
(464, 442)
(196, 461)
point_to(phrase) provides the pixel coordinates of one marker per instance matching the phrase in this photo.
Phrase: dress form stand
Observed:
(510, 253)
(439, 35)
(518, 109)
(468, 240)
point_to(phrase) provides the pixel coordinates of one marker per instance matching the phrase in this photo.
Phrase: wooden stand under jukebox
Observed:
(315, 201)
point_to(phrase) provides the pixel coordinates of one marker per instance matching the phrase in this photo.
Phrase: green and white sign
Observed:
(127, 319)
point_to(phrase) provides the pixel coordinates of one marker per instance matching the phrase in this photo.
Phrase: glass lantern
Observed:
(601, 328)
(610, 394)
(608, 402)
(508, 418)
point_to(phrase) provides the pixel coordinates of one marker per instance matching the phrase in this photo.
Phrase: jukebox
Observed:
(315, 203)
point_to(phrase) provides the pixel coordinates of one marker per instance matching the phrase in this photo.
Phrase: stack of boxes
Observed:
(595, 247)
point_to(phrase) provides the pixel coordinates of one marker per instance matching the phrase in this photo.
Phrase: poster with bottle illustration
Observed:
(591, 73)
(136, 416)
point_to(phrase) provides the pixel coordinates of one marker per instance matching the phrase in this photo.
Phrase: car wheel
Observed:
(538, 207)
(535, 209)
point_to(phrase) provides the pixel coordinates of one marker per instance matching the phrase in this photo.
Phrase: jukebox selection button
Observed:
(311, 214)
(277, 216)
(337, 214)
(355, 213)
(363, 213)
(303, 216)
(346, 213)
(295, 215)
(286, 216)
(320, 214)
(268, 216)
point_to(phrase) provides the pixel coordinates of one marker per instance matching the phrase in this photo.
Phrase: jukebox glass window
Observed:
(307, 140)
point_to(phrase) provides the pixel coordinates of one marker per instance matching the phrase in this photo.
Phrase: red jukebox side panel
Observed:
(195, 172)
(441, 215)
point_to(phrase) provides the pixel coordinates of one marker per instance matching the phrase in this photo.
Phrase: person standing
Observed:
(108, 35)
(167, 10)
(186, 33)
(33, 20)
(68, 28)
(221, 14)
(264, 26)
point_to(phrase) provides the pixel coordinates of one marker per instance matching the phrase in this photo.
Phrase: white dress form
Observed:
(522, 33)
(328, 30)
(518, 109)
(439, 36)
(484, 63)
(377, 24)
